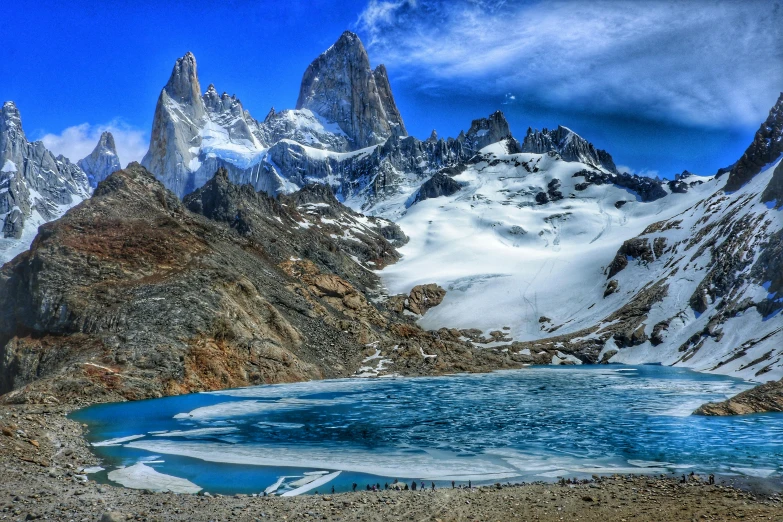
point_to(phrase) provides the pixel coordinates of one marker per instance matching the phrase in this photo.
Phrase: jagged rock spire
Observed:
(341, 86)
(570, 145)
(183, 85)
(102, 161)
(33, 180)
(766, 147)
(179, 115)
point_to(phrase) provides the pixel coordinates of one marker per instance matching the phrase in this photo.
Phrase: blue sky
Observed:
(663, 86)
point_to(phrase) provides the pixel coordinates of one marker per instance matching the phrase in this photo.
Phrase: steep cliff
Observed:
(341, 86)
(35, 186)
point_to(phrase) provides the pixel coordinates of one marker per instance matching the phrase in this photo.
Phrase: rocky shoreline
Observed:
(43, 453)
(764, 398)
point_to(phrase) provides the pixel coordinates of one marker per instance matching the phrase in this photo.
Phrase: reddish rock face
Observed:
(136, 294)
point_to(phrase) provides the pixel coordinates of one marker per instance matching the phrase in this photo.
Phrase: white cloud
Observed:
(712, 64)
(78, 141)
(650, 173)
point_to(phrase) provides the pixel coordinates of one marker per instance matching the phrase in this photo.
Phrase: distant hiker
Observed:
(379, 486)
(433, 486)
(406, 487)
(682, 481)
(332, 490)
(452, 484)
(712, 478)
(423, 487)
(470, 485)
(354, 486)
(316, 491)
(386, 486)
(368, 487)
(413, 485)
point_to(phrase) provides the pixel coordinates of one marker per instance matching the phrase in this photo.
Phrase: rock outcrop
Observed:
(764, 398)
(437, 186)
(341, 86)
(767, 147)
(102, 161)
(35, 186)
(424, 297)
(486, 131)
(569, 145)
(648, 189)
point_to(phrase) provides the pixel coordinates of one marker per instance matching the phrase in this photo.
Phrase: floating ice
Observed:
(117, 441)
(312, 485)
(141, 476)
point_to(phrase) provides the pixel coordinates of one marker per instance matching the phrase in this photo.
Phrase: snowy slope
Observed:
(739, 330)
(538, 271)
(506, 260)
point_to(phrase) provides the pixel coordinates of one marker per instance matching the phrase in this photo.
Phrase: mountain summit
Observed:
(102, 161)
(341, 86)
(178, 118)
(767, 146)
(570, 145)
(35, 186)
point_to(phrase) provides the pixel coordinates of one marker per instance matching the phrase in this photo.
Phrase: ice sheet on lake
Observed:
(312, 485)
(275, 486)
(117, 441)
(141, 476)
(198, 432)
(243, 408)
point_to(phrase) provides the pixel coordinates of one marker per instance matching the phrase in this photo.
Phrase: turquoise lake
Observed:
(538, 423)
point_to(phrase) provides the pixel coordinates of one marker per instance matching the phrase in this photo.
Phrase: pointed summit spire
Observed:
(10, 119)
(767, 146)
(102, 161)
(183, 85)
(106, 142)
(341, 86)
(180, 112)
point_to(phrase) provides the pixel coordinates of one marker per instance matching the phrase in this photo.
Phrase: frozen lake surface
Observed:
(538, 423)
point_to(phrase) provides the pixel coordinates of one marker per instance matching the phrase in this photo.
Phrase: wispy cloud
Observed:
(78, 141)
(709, 64)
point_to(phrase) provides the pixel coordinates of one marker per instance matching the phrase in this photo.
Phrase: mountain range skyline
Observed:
(266, 71)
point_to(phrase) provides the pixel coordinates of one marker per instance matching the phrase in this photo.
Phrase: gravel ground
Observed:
(42, 452)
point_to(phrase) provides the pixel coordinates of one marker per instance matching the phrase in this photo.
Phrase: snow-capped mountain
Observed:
(35, 186)
(346, 132)
(569, 145)
(542, 245)
(545, 252)
(102, 161)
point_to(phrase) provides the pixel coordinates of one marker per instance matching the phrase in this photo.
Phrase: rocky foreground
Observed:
(42, 454)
